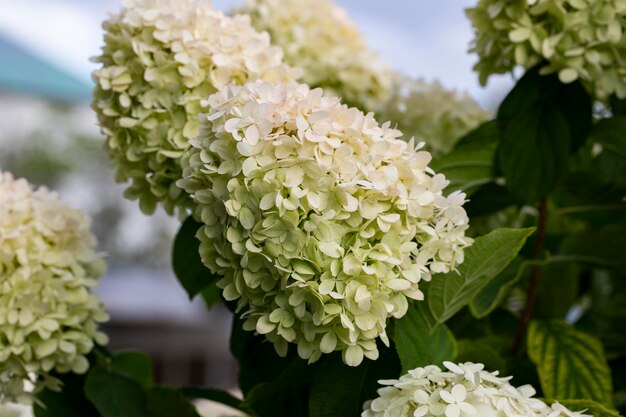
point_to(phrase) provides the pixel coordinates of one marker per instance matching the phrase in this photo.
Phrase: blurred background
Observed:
(49, 135)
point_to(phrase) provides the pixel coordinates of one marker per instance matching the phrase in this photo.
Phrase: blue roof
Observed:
(23, 72)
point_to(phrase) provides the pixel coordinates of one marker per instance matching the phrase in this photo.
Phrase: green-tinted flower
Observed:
(321, 222)
(319, 38)
(159, 60)
(431, 113)
(48, 314)
(579, 39)
(462, 390)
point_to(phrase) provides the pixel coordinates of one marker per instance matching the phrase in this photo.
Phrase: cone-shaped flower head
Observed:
(461, 390)
(579, 39)
(48, 314)
(321, 222)
(431, 113)
(160, 57)
(319, 38)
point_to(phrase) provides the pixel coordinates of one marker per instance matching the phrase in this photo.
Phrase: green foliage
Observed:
(338, 390)
(188, 267)
(611, 134)
(571, 364)
(417, 346)
(469, 165)
(591, 407)
(447, 294)
(490, 297)
(69, 402)
(169, 402)
(115, 395)
(135, 365)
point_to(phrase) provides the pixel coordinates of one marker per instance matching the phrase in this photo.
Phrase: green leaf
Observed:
(533, 152)
(260, 373)
(600, 247)
(417, 346)
(494, 293)
(169, 402)
(339, 390)
(611, 134)
(487, 199)
(588, 406)
(69, 402)
(481, 351)
(115, 395)
(135, 365)
(542, 121)
(188, 266)
(470, 164)
(558, 290)
(570, 364)
(216, 395)
(446, 294)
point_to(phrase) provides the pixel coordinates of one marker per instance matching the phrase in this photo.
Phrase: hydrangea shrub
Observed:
(48, 265)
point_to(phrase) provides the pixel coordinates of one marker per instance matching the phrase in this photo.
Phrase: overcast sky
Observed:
(425, 38)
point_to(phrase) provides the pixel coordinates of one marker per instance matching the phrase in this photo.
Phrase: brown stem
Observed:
(534, 278)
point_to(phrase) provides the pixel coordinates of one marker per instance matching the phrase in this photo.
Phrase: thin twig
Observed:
(534, 278)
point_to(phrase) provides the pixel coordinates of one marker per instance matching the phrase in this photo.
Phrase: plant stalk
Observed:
(534, 278)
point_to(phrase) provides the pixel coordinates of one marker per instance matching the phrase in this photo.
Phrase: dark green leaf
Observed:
(339, 390)
(558, 290)
(570, 364)
(590, 407)
(542, 121)
(260, 371)
(115, 395)
(533, 151)
(470, 164)
(446, 294)
(188, 267)
(611, 134)
(69, 402)
(417, 346)
(481, 351)
(216, 395)
(487, 199)
(603, 247)
(135, 365)
(169, 402)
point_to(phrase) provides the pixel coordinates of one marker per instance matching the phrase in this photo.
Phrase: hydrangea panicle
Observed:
(321, 222)
(48, 315)
(460, 390)
(160, 58)
(579, 39)
(319, 38)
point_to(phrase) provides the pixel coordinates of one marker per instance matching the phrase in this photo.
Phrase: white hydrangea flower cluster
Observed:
(160, 58)
(431, 113)
(48, 315)
(319, 38)
(321, 222)
(579, 39)
(462, 390)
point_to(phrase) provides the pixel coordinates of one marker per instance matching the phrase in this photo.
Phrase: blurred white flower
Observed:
(48, 314)
(319, 38)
